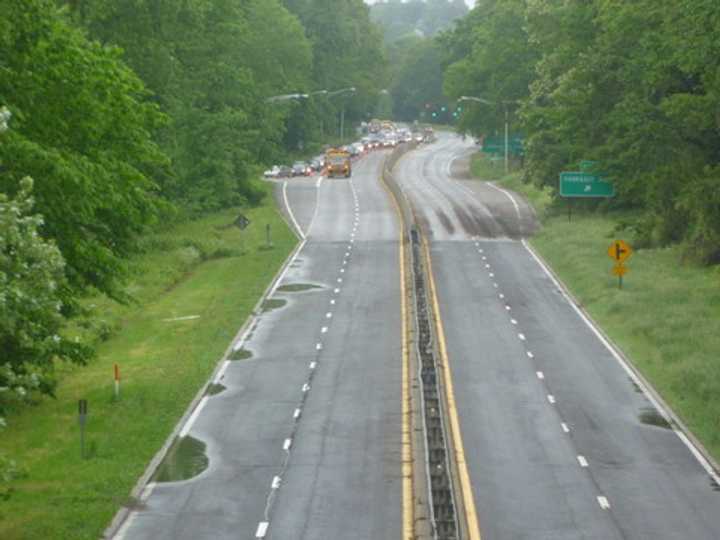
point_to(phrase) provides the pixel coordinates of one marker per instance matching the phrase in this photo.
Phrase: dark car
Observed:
(285, 171)
(300, 168)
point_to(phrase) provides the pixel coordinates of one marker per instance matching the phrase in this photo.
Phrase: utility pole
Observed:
(506, 138)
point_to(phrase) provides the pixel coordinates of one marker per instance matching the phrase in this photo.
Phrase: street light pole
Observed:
(507, 168)
(507, 127)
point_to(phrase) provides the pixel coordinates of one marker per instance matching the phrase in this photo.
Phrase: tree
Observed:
(32, 276)
(83, 128)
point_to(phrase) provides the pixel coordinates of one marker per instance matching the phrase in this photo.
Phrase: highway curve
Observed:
(560, 440)
(304, 441)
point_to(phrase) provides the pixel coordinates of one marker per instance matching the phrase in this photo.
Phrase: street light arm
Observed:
(286, 97)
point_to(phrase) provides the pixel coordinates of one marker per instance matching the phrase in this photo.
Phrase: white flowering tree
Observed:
(32, 271)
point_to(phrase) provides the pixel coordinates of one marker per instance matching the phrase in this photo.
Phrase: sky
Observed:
(470, 3)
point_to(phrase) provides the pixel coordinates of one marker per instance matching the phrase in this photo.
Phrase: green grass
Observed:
(198, 268)
(665, 318)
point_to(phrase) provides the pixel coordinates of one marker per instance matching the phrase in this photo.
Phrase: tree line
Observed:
(632, 86)
(128, 114)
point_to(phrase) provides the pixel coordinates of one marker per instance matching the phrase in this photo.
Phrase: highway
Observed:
(560, 440)
(304, 437)
(304, 441)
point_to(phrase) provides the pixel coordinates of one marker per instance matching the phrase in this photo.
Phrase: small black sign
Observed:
(241, 222)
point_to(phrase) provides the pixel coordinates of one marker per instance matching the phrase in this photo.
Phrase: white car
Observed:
(272, 173)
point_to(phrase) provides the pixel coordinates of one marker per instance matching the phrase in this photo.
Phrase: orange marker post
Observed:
(117, 381)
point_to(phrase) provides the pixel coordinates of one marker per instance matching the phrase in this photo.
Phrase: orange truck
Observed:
(338, 163)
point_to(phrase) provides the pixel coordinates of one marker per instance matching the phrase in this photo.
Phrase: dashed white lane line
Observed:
(287, 444)
(502, 296)
(297, 413)
(342, 270)
(565, 427)
(337, 291)
(513, 321)
(332, 301)
(603, 502)
(492, 275)
(530, 354)
(495, 285)
(339, 280)
(262, 529)
(582, 461)
(324, 330)
(318, 346)
(312, 365)
(551, 399)
(487, 266)
(540, 375)
(328, 315)
(305, 388)
(507, 308)
(521, 337)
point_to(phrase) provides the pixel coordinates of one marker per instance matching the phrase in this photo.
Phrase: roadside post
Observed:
(82, 420)
(620, 251)
(268, 242)
(117, 381)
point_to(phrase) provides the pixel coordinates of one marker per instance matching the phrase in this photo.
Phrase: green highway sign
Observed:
(496, 145)
(581, 184)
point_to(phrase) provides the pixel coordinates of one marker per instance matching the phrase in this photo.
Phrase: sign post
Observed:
(82, 420)
(117, 381)
(620, 251)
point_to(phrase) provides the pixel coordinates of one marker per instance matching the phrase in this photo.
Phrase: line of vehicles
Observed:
(337, 162)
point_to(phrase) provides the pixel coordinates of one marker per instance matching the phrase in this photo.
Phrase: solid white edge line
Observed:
(290, 212)
(287, 444)
(297, 413)
(221, 371)
(262, 529)
(125, 526)
(694, 450)
(275, 482)
(509, 196)
(189, 424)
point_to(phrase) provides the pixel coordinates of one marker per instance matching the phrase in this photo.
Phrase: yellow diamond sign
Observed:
(619, 251)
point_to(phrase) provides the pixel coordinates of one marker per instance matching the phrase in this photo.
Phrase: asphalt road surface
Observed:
(560, 442)
(304, 441)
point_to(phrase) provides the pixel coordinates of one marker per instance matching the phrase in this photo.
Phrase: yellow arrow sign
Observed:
(619, 251)
(620, 270)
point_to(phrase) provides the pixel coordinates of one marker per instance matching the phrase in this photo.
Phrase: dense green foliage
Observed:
(633, 86)
(132, 113)
(421, 18)
(347, 53)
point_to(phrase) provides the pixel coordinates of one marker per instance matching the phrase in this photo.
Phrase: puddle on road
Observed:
(240, 354)
(273, 304)
(651, 417)
(185, 460)
(298, 287)
(214, 389)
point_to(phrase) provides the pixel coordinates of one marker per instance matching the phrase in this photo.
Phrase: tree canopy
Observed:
(632, 86)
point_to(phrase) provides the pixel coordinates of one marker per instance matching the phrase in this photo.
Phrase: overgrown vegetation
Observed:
(632, 86)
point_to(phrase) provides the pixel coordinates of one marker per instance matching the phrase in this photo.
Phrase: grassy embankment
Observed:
(203, 268)
(666, 318)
